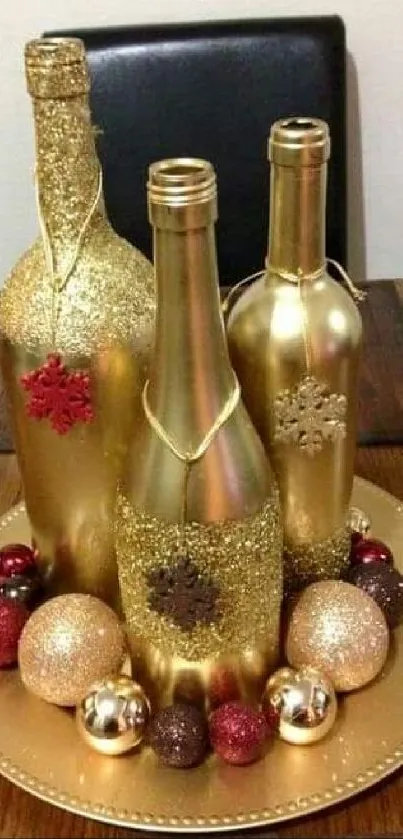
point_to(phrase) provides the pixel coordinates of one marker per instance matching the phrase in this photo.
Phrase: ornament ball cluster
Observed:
(71, 651)
(20, 588)
(372, 570)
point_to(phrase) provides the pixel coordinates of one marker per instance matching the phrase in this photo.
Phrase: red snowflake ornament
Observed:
(61, 395)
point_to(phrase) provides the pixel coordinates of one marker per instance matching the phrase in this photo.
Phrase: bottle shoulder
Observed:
(273, 306)
(110, 296)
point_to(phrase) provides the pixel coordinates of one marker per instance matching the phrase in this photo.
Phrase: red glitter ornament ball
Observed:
(238, 733)
(17, 561)
(13, 617)
(366, 551)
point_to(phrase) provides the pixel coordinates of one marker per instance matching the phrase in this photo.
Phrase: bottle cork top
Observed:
(56, 68)
(299, 141)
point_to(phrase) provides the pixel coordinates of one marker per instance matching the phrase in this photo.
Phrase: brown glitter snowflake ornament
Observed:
(308, 415)
(181, 592)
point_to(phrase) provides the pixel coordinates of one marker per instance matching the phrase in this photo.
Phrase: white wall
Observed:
(375, 38)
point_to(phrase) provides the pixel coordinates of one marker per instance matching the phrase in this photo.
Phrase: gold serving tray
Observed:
(41, 751)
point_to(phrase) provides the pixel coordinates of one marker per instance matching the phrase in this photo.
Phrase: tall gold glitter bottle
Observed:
(295, 340)
(198, 529)
(77, 324)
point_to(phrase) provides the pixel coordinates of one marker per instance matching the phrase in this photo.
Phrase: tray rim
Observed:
(170, 824)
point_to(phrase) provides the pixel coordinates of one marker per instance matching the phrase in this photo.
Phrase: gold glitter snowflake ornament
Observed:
(308, 415)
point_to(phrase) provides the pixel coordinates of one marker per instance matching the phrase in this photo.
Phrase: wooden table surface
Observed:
(378, 812)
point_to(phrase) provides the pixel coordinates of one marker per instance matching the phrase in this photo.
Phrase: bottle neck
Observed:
(297, 243)
(191, 377)
(67, 167)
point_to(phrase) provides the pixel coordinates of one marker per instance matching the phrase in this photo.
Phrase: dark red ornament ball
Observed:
(25, 589)
(178, 734)
(384, 584)
(356, 537)
(13, 617)
(366, 551)
(238, 733)
(17, 561)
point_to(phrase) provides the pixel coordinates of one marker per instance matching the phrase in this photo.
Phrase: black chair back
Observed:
(212, 90)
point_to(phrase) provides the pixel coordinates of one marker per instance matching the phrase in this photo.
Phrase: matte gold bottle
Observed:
(295, 339)
(198, 529)
(85, 297)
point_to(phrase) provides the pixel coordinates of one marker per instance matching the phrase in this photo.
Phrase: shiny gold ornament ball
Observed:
(68, 644)
(113, 716)
(336, 628)
(304, 702)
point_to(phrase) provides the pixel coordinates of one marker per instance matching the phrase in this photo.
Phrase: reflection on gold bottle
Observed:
(295, 339)
(198, 532)
(101, 321)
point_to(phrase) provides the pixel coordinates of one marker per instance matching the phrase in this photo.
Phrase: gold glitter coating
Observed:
(324, 560)
(338, 629)
(102, 321)
(109, 299)
(243, 558)
(308, 415)
(110, 295)
(68, 644)
(56, 67)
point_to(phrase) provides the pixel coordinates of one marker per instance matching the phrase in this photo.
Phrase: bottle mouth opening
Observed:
(54, 51)
(299, 141)
(181, 181)
(299, 124)
(56, 68)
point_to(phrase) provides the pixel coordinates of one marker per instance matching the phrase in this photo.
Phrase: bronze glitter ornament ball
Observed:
(304, 702)
(178, 735)
(338, 629)
(384, 584)
(68, 644)
(113, 716)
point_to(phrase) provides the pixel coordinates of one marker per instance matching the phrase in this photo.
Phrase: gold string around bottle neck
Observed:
(357, 294)
(192, 456)
(59, 285)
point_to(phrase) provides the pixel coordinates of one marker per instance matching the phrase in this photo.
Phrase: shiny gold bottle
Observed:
(85, 297)
(295, 339)
(198, 529)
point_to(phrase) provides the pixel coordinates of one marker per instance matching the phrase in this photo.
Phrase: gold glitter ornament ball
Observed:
(68, 644)
(113, 716)
(336, 628)
(304, 703)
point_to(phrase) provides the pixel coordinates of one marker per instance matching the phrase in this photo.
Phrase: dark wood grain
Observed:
(381, 380)
(378, 812)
